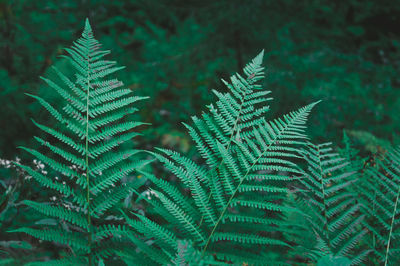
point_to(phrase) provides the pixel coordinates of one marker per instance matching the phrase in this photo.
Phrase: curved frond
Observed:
(249, 163)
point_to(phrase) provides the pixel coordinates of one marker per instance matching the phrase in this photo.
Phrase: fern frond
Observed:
(249, 239)
(380, 192)
(85, 155)
(77, 218)
(65, 261)
(187, 223)
(249, 162)
(334, 213)
(73, 239)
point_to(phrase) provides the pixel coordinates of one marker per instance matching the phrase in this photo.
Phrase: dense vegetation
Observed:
(239, 183)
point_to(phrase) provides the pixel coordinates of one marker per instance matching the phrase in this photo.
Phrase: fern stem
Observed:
(87, 165)
(323, 198)
(391, 227)
(88, 198)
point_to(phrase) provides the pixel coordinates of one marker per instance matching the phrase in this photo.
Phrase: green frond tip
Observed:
(88, 28)
(315, 103)
(259, 58)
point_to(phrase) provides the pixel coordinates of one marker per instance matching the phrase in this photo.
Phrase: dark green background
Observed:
(346, 53)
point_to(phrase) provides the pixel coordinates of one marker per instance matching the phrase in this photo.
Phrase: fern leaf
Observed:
(86, 157)
(248, 163)
(332, 208)
(380, 192)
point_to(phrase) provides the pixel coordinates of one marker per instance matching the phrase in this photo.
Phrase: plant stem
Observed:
(391, 227)
(89, 231)
(323, 197)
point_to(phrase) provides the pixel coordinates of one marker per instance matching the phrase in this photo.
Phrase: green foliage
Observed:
(352, 155)
(370, 142)
(251, 191)
(86, 154)
(330, 205)
(12, 191)
(234, 207)
(380, 192)
(333, 261)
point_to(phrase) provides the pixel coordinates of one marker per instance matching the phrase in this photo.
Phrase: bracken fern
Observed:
(330, 204)
(86, 155)
(232, 207)
(380, 192)
(244, 199)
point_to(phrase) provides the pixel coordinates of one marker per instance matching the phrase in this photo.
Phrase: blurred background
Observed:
(345, 53)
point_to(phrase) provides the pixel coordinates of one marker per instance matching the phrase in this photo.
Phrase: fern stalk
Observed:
(323, 197)
(87, 164)
(391, 227)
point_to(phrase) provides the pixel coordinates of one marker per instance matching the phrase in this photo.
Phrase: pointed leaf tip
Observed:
(88, 28)
(259, 58)
(312, 105)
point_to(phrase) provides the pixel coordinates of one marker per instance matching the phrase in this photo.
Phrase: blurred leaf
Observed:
(333, 261)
